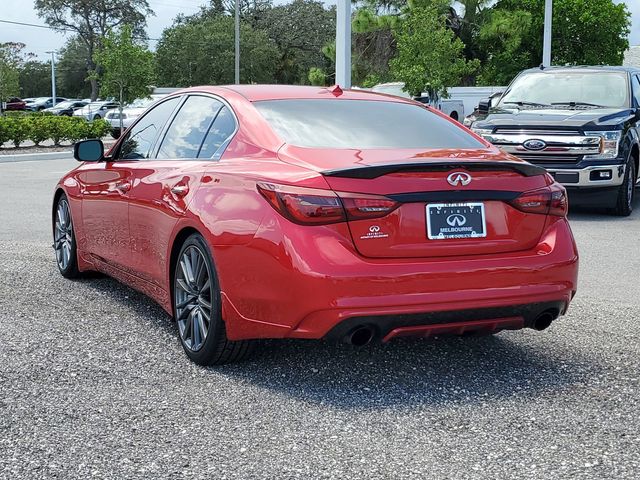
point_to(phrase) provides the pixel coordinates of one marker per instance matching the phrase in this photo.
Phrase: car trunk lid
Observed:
(449, 203)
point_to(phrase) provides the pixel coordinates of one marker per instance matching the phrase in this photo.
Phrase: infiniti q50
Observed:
(253, 212)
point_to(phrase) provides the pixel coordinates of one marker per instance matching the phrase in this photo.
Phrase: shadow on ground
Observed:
(406, 372)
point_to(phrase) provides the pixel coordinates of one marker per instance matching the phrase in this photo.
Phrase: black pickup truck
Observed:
(580, 123)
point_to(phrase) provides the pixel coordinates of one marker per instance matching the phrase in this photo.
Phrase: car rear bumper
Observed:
(316, 289)
(456, 322)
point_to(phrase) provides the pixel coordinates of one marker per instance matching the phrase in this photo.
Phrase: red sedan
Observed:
(15, 104)
(253, 212)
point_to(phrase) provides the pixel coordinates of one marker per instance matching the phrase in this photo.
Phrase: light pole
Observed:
(53, 77)
(546, 43)
(237, 39)
(343, 44)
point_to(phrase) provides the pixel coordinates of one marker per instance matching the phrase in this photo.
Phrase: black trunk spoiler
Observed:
(375, 171)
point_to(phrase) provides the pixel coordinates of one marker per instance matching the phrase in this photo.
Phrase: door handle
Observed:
(180, 190)
(123, 187)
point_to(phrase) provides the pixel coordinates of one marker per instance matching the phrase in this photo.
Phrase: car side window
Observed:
(635, 83)
(141, 138)
(218, 135)
(186, 133)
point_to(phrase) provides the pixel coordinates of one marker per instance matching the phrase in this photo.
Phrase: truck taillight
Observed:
(546, 201)
(310, 206)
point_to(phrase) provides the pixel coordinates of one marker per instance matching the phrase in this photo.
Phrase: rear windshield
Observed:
(362, 124)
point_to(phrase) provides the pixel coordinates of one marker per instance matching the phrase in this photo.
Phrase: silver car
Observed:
(95, 110)
(129, 113)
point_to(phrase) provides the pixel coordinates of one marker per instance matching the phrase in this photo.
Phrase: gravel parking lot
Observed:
(93, 381)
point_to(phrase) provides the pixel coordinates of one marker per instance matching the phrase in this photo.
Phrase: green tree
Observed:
(430, 56)
(502, 38)
(128, 67)
(35, 78)
(317, 76)
(201, 51)
(299, 29)
(71, 69)
(474, 16)
(91, 20)
(11, 58)
(374, 44)
(585, 32)
(251, 11)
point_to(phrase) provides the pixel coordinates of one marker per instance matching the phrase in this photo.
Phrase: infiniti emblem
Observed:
(534, 144)
(459, 178)
(374, 228)
(456, 220)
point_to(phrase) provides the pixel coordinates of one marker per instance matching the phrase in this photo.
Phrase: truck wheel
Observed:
(454, 115)
(626, 193)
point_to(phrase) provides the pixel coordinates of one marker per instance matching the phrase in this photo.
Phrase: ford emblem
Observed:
(534, 144)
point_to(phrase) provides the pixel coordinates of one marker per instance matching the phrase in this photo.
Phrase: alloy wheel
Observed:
(193, 297)
(63, 235)
(631, 185)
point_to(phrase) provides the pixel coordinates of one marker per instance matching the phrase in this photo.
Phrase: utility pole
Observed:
(343, 44)
(237, 65)
(1, 96)
(53, 77)
(546, 45)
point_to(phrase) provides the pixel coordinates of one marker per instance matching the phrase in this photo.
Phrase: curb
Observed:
(31, 157)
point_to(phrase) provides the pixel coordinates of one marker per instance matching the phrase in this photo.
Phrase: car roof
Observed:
(585, 68)
(255, 93)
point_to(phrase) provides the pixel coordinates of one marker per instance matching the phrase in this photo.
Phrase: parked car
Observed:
(316, 213)
(580, 123)
(15, 104)
(42, 103)
(95, 110)
(129, 113)
(66, 108)
(451, 107)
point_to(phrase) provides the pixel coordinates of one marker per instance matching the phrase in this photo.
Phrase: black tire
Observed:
(115, 133)
(64, 240)
(216, 349)
(97, 117)
(626, 192)
(454, 115)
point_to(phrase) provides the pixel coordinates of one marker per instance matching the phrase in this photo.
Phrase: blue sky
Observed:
(39, 40)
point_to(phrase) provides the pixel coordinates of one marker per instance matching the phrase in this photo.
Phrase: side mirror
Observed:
(89, 150)
(487, 103)
(484, 106)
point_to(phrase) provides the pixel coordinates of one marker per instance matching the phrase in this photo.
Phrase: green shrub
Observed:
(56, 128)
(76, 129)
(18, 129)
(4, 131)
(99, 129)
(37, 128)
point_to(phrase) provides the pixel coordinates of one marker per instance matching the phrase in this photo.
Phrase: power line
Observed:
(62, 29)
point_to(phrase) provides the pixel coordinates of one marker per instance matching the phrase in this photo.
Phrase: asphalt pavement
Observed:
(94, 383)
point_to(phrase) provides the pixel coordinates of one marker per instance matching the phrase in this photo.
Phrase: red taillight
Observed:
(310, 206)
(559, 201)
(547, 201)
(361, 207)
(306, 206)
